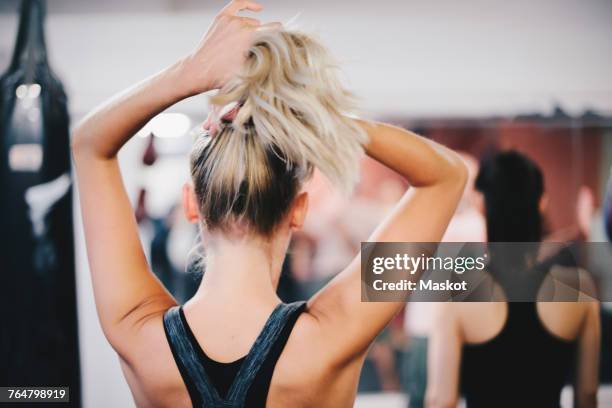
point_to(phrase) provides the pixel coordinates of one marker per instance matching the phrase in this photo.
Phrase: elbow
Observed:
(78, 142)
(458, 172)
(460, 169)
(82, 145)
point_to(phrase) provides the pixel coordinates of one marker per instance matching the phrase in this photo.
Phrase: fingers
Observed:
(208, 122)
(270, 26)
(250, 21)
(212, 117)
(220, 114)
(238, 5)
(229, 112)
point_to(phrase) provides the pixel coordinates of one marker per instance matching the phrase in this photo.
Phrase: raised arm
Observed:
(437, 178)
(125, 290)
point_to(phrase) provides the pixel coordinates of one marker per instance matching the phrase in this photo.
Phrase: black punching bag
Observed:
(38, 328)
(608, 208)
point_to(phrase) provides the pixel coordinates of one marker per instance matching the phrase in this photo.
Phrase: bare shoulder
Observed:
(479, 322)
(321, 378)
(567, 299)
(464, 312)
(568, 283)
(307, 343)
(567, 319)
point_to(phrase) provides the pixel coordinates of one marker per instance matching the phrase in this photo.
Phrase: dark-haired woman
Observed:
(511, 353)
(234, 343)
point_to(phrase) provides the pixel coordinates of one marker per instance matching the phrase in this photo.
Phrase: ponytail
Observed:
(292, 118)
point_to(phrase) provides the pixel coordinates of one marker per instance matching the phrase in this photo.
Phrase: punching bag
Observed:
(38, 329)
(607, 212)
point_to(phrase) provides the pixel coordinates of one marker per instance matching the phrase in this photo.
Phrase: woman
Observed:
(234, 343)
(511, 354)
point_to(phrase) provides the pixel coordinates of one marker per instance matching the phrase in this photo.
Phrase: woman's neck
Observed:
(243, 270)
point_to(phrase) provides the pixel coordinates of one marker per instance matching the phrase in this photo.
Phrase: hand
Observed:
(222, 50)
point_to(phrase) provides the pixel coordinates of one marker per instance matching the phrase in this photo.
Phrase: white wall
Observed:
(445, 57)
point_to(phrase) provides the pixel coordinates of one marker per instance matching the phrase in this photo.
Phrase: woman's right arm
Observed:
(437, 177)
(586, 380)
(127, 293)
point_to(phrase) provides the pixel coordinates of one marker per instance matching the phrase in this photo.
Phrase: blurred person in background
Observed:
(235, 343)
(510, 354)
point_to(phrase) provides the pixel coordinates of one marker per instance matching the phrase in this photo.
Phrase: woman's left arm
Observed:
(126, 291)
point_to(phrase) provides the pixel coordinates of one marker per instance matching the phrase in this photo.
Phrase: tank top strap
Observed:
(260, 350)
(200, 388)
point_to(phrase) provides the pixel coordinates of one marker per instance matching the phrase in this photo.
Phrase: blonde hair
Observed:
(292, 118)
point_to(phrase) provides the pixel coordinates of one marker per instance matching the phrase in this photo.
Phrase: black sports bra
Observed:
(241, 383)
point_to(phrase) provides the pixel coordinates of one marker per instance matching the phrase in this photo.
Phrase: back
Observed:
(156, 377)
(524, 363)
